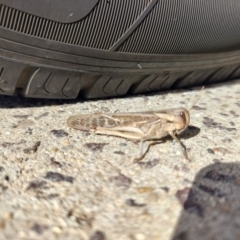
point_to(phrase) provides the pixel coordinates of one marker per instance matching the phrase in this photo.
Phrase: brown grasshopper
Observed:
(140, 126)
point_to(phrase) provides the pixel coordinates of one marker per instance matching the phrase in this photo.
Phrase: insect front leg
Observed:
(182, 147)
(147, 136)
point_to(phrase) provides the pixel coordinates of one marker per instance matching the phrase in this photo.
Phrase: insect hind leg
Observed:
(143, 154)
(113, 132)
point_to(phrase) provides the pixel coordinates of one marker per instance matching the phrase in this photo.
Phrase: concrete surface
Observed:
(60, 183)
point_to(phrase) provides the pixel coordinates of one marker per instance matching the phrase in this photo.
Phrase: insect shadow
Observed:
(211, 207)
(190, 132)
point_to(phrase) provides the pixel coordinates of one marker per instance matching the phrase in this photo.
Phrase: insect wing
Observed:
(89, 121)
(82, 122)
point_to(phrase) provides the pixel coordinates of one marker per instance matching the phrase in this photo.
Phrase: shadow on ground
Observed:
(211, 207)
(190, 132)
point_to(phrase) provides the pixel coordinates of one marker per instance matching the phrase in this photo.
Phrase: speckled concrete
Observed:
(60, 183)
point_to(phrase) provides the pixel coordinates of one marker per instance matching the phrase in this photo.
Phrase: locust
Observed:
(137, 126)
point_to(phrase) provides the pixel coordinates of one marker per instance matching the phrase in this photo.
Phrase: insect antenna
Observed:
(197, 98)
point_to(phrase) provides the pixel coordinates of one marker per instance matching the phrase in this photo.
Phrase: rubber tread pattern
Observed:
(43, 82)
(183, 27)
(224, 73)
(99, 30)
(47, 83)
(9, 77)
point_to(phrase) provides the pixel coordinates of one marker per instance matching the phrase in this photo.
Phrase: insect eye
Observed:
(182, 114)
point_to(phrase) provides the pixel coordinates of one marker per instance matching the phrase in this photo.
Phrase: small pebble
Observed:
(57, 230)
(210, 151)
(152, 197)
(144, 189)
(139, 236)
(98, 235)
